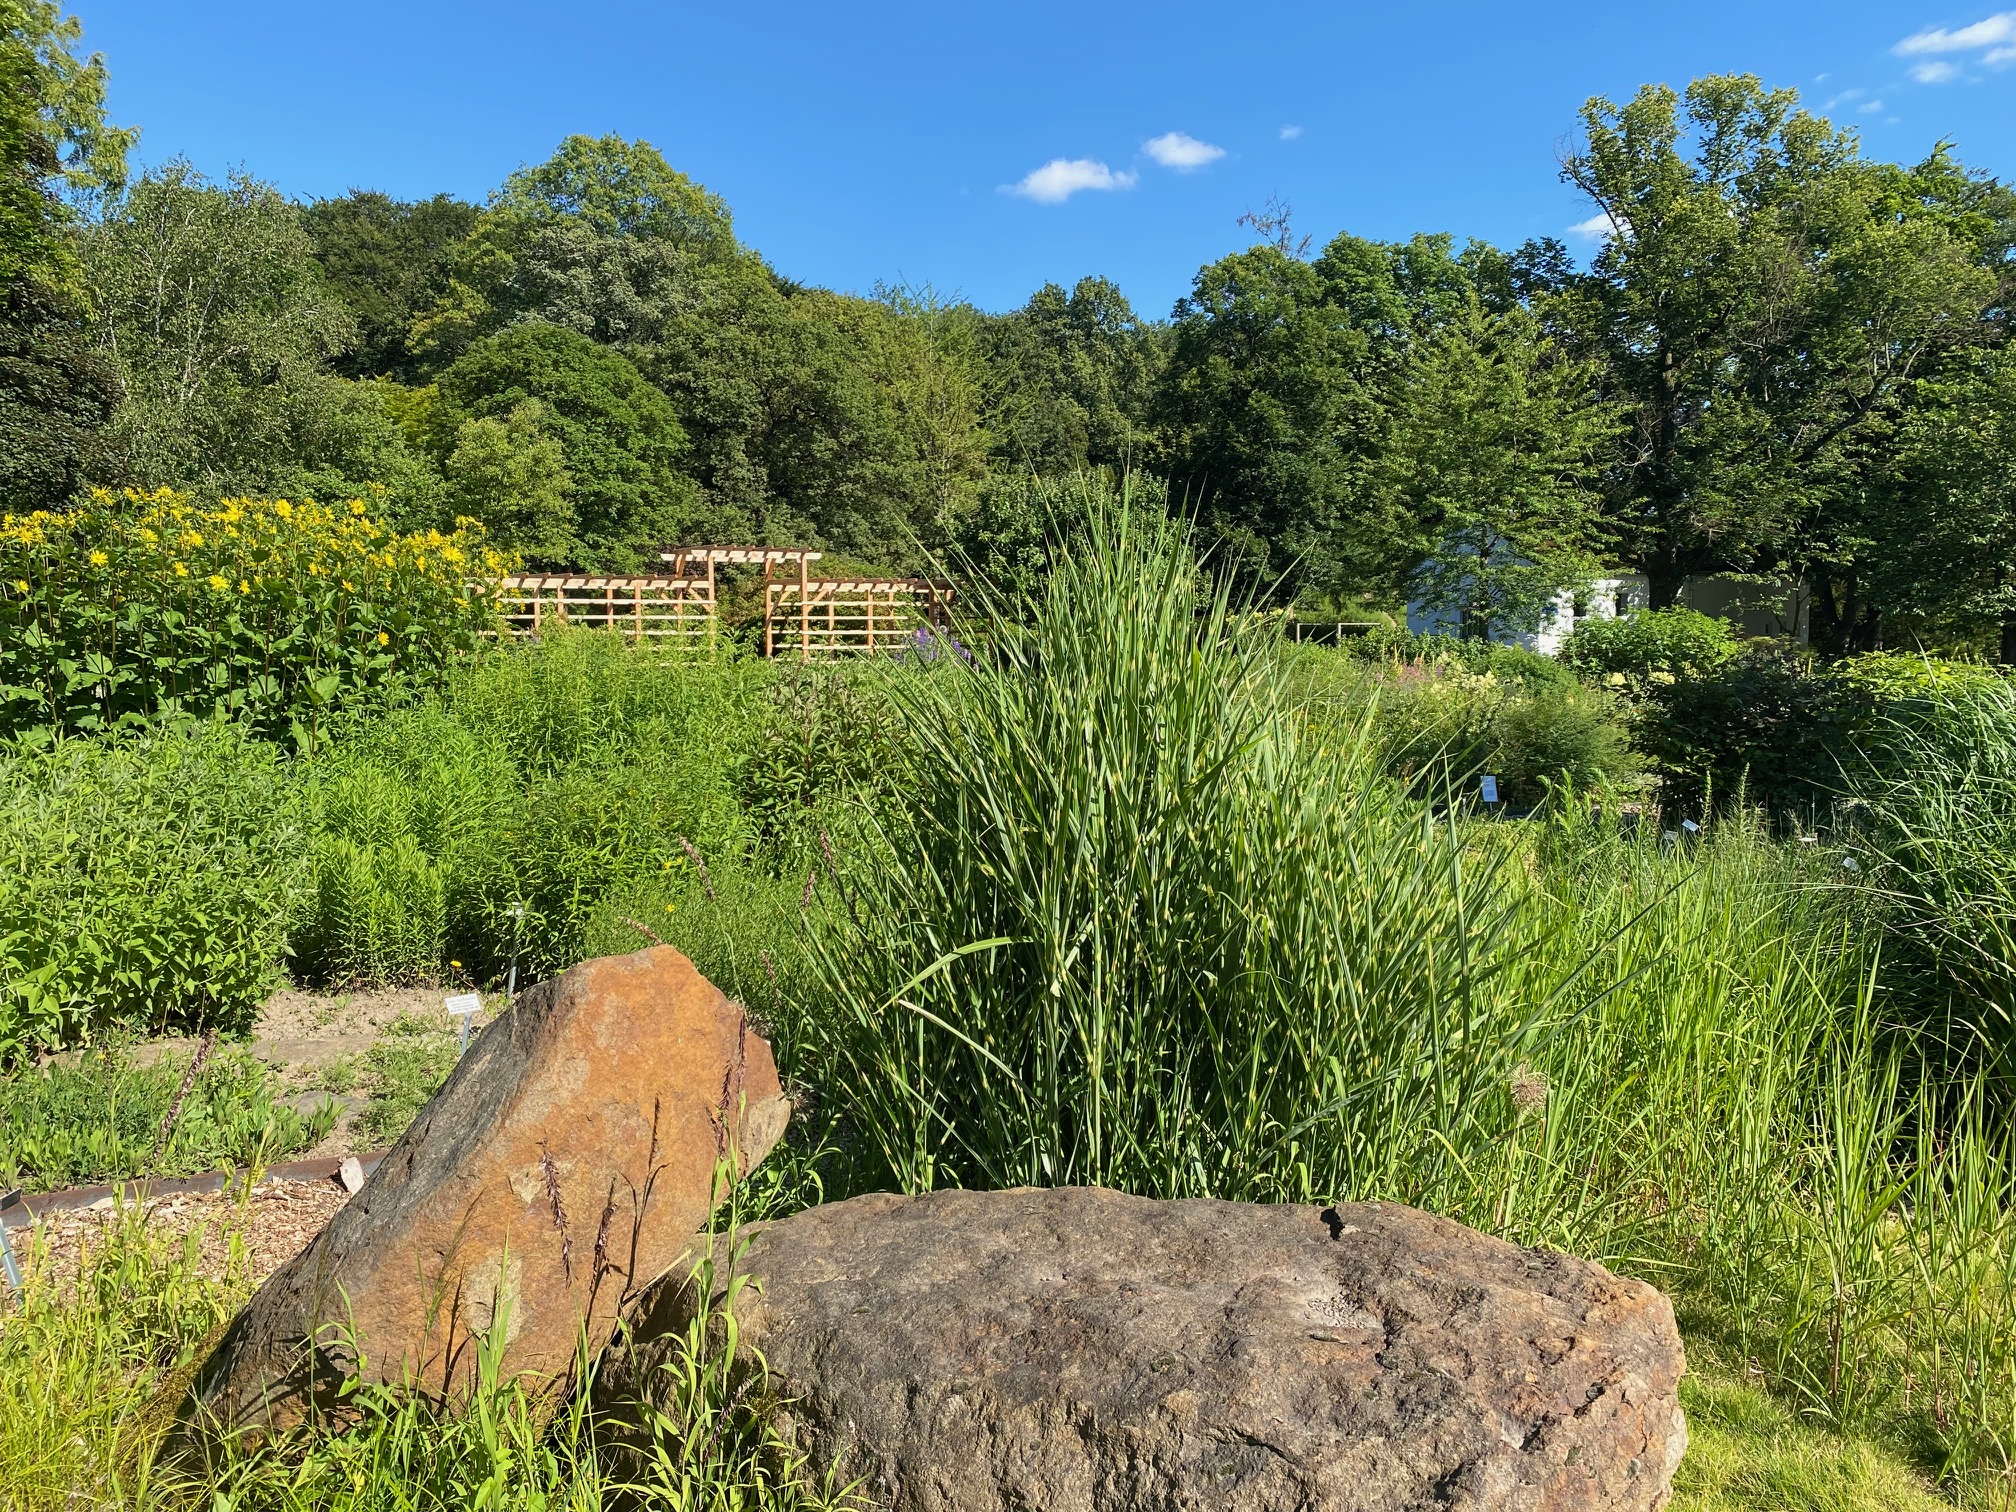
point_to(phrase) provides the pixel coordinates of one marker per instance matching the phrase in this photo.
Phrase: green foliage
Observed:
(510, 472)
(1751, 240)
(1675, 642)
(104, 1119)
(1439, 722)
(1273, 406)
(388, 259)
(54, 142)
(1494, 451)
(616, 188)
(542, 778)
(56, 394)
(1759, 727)
(397, 1075)
(621, 443)
(147, 885)
(1034, 983)
(1796, 737)
(209, 301)
(121, 612)
(1069, 382)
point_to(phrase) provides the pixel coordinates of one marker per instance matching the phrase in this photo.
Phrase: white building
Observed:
(1770, 609)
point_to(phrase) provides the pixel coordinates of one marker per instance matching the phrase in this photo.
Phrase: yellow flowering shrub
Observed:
(128, 608)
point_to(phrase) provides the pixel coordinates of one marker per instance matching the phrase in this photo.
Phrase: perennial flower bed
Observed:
(128, 608)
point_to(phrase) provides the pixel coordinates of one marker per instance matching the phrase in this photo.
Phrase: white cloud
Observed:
(1871, 107)
(1598, 225)
(1060, 178)
(1174, 149)
(2000, 55)
(1999, 28)
(1935, 72)
(1289, 133)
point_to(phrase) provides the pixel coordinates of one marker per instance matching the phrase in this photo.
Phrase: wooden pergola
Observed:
(816, 616)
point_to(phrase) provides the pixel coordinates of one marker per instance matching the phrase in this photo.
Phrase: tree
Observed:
(620, 438)
(210, 304)
(1937, 547)
(1494, 450)
(1762, 296)
(55, 149)
(1274, 405)
(510, 472)
(55, 144)
(389, 260)
(1070, 381)
(56, 394)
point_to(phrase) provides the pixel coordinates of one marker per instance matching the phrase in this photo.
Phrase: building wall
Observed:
(1772, 609)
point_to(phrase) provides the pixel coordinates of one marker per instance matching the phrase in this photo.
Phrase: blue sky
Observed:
(887, 142)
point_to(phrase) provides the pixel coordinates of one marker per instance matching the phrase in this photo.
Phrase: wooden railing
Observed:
(842, 616)
(664, 611)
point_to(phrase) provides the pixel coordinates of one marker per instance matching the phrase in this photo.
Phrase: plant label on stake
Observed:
(1490, 789)
(464, 1007)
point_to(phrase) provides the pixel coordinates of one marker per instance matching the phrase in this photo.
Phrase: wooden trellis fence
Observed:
(660, 611)
(812, 616)
(840, 616)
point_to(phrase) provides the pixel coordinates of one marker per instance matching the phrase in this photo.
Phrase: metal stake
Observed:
(7, 1264)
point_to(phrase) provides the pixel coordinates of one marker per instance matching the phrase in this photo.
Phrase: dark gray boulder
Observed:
(1079, 1349)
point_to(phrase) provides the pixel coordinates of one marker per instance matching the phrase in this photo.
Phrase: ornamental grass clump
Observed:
(1138, 927)
(123, 610)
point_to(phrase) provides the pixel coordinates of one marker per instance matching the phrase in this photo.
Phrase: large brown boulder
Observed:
(1077, 1349)
(569, 1160)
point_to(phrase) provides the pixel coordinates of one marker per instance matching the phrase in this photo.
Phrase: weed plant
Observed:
(106, 1118)
(397, 1075)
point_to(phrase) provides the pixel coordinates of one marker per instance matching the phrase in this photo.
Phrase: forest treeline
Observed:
(1785, 359)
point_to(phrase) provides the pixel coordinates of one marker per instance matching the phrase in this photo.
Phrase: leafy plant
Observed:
(1647, 643)
(107, 1117)
(148, 882)
(120, 611)
(397, 1075)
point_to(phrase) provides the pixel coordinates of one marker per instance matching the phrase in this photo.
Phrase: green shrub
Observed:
(1437, 726)
(103, 1120)
(119, 612)
(1395, 646)
(1761, 727)
(1646, 643)
(1795, 736)
(496, 816)
(148, 882)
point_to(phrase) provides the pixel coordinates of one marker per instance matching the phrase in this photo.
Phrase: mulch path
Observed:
(275, 1220)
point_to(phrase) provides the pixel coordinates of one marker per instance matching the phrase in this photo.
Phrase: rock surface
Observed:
(1079, 1349)
(567, 1162)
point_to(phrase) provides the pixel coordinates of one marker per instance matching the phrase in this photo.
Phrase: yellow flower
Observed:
(384, 639)
(243, 586)
(217, 582)
(194, 538)
(99, 559)
(348, 586)
(180, 570)
(356, 506)
(22, 584)
(283, 509)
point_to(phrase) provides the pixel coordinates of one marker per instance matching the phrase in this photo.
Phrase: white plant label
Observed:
(466, 1005)
(1690, 826)
(1490, 787)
